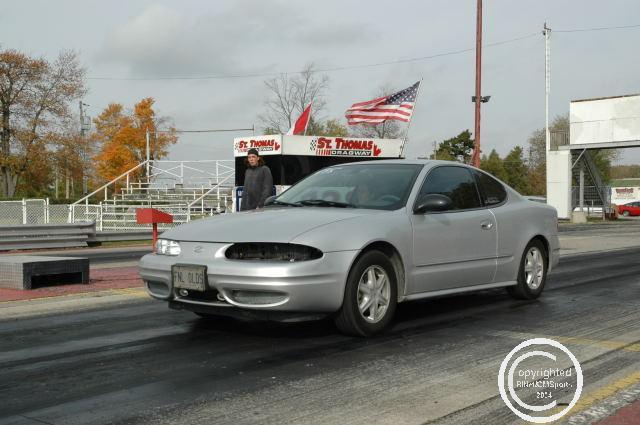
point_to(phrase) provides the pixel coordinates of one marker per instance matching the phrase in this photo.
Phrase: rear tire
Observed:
(532, 274)
(370, 296)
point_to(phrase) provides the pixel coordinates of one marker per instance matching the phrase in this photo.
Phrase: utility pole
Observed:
(84, 127)
(547, 86)
(475, 159)
(148, 157)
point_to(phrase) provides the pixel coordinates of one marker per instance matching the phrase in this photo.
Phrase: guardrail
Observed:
(46, 236)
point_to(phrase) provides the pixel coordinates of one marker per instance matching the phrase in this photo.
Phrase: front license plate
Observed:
(189, 277)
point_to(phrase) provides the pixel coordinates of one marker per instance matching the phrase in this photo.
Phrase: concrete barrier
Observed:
(26, 271)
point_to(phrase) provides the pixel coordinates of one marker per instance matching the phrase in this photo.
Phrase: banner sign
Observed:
(623, 195)
(266, 145)
(319, 146)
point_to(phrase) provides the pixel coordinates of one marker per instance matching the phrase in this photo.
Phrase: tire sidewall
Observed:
(350, 302)
(522, 281)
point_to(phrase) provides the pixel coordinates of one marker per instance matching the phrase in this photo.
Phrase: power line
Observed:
(332, 69)
(599, 28)
(212, 131)
(344, 68)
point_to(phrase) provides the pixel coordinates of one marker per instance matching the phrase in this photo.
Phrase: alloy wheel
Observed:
(374, 290)
(534, 268)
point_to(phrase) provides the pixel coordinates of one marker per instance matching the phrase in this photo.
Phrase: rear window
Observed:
(492, 191)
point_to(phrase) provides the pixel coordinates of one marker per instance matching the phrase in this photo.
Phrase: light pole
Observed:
(475, 159)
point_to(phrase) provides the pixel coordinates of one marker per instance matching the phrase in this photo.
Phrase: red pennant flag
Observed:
(300, 127)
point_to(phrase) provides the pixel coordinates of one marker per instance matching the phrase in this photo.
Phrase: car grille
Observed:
(272, 252)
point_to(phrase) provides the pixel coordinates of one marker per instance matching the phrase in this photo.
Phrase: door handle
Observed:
(487, 225)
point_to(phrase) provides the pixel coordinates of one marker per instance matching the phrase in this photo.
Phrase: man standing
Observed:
(257, 182)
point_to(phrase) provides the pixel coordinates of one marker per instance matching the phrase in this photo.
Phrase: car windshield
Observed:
(373, 186)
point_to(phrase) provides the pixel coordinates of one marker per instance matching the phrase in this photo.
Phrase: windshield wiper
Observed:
(278, 202)
(325, 203)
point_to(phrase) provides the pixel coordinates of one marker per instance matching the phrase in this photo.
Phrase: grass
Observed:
(115, 244)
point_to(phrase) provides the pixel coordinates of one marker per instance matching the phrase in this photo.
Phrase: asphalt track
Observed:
(139, 362)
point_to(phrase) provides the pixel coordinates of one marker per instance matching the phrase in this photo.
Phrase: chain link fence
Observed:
(110, 216)
(26, 211)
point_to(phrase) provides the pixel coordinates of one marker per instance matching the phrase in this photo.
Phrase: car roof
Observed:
(405, 161)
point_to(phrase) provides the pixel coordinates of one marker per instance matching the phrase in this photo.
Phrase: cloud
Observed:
(244, 38)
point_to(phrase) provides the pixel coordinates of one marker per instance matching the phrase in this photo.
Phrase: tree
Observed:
(288, 96)
(34, 98)
(70, 160)
(122, 138)
(625, 172)
(389, 129)
(516, 171)
(494, 165)
(457, 148)
(331, 128)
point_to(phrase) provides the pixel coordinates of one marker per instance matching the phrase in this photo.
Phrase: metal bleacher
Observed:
(187, 190)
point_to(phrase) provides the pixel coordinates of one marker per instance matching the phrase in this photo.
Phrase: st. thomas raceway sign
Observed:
(318, 146)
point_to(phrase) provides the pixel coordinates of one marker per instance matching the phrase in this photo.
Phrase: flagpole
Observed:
(406, 134)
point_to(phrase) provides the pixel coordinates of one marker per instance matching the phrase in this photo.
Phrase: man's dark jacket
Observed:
(258, 184)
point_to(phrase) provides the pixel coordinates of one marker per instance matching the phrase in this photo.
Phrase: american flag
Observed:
(397, 106)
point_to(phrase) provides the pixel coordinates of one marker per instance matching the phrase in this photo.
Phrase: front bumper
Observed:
(315, 286)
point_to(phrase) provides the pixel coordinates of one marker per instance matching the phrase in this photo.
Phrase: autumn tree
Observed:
(70, 160)
(34, 99)
(288, 96)
(121, 136)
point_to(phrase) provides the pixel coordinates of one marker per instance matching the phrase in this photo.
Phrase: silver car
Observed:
(354, 240)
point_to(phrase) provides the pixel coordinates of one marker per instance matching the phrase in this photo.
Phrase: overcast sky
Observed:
(144, 39)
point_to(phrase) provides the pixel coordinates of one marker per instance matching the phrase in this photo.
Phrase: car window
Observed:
(372, 186)
(455, 182)
(492, 191)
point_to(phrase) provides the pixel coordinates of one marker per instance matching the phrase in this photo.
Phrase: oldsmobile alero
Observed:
(354, 240)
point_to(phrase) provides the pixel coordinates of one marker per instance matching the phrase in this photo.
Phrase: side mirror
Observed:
(269, 200)
(433, 202)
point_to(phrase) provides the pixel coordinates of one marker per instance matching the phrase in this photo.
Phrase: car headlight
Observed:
(272, 252)
(167, 247)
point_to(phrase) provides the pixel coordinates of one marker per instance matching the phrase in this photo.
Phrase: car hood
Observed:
(264, 225)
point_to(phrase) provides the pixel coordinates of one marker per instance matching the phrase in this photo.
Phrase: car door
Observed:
(458, 247)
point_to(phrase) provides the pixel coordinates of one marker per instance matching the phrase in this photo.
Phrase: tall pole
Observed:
(475, 159)
(84, 153)
(148, 157)
(547, 84)
(406, 133)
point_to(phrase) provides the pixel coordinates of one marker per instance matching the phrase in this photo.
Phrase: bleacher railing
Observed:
(185, 189)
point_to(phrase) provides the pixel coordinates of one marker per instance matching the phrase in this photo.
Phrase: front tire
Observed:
(370, 296)
(532, 274)
(625, 213)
